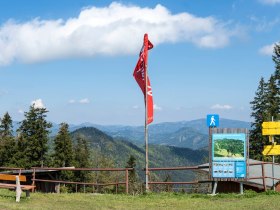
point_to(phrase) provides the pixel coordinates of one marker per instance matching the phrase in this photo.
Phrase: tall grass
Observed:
(71, 201)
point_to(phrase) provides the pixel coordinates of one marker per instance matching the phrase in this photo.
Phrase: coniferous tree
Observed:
(33, 137)
(272, 99)
(259, 114)
(63, 147)
(276, 60)
(134, 185)
(82, 159)
(265, 107)
(168, 187)
(6, 126)
(7, 141)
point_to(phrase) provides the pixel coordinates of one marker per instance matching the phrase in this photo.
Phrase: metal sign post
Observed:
(272, 141)
(270, 129)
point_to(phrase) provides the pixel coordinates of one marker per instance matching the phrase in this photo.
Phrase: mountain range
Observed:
(186, 134)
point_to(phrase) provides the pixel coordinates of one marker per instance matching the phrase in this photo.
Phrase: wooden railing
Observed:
(263, 177)
(191, 168)
(125, 181)
(117, 183)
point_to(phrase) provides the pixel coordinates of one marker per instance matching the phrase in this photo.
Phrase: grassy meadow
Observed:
(70, 201)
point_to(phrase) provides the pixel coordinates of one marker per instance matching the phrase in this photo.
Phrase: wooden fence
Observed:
(58, 182)
(125, 179)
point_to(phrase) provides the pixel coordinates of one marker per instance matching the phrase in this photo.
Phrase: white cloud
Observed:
(267, 50)
(263, 24)
(72, 101)
(81, 101)
(84, 101)
(156, 107)
(270, 2)
(219, 106)
(38, 103)
(113, 30)
(20, 111)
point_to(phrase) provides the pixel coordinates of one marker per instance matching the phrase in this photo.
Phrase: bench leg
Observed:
(27, 193)
(18, 189)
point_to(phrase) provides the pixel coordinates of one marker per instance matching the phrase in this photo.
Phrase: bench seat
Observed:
(17, 186)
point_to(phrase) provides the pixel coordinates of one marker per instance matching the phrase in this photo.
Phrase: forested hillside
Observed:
(119, 151)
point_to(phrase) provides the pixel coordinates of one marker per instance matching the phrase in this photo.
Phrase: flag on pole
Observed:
(140, 75)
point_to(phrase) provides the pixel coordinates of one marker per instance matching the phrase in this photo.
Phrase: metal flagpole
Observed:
(146, 125)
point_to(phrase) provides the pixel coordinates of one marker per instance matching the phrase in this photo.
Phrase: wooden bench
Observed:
(17, 186)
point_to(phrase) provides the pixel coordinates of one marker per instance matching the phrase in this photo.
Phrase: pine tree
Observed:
(265, 107)
(7, 141)
(82, 159)
(6, 126)
(168, 187)
(63, 148)
(276, 60)
(33, 137)
(134, 185)
(259, 114)
(272, 99)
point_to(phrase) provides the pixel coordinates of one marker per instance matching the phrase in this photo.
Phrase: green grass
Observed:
(249, 200)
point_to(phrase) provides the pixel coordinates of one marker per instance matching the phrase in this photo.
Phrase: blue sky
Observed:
(76, 57)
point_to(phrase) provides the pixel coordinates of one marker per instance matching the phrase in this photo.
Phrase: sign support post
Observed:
(241, 188)
(270, 129)
(272, 141)
(215, 188)
(212, 121)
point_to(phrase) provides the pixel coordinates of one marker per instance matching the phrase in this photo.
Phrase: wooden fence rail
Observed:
(126, 182)
(12, 170)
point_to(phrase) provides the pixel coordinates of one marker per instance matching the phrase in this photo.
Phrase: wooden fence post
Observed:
(34, 177)
(126, 181)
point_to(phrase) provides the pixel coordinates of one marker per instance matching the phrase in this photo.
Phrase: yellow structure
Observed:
(270, 128)
(271, 150)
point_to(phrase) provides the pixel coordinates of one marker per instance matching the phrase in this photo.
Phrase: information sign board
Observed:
(229, 155)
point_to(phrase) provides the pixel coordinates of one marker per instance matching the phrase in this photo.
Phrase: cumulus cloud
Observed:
(267, 50)
(72, 101)
(81, 101)
(270, 2)
(38, 103)
(113, 30)
(219, 106)
(156, 107)
(84, 101)
(20, 111)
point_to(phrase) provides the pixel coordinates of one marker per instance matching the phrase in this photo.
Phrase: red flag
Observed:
(140, 75)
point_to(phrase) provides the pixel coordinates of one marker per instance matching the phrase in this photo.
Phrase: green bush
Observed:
(250, 193)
